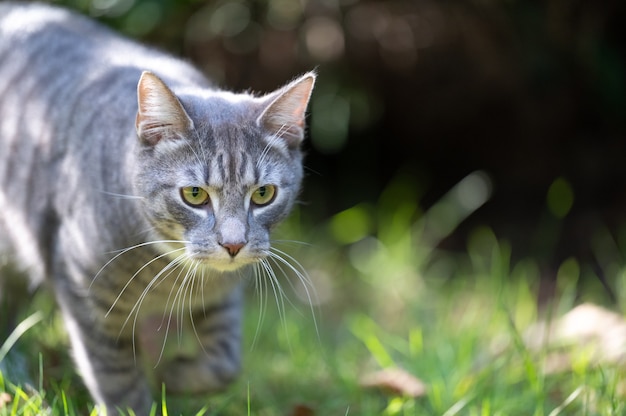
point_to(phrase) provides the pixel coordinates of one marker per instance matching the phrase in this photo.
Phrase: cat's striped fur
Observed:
(93, 160)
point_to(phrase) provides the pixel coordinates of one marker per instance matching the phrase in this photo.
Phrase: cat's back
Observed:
(25, 17)
(42, 36)
(33, 34)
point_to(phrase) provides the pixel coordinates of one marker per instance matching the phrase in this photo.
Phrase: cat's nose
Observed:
(233, 248)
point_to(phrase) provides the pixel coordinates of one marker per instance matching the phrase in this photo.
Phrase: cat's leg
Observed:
(13, 292)
(217, 363)
(106, 361)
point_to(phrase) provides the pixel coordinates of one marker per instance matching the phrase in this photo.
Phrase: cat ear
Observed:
(160, 114)
(285, 115)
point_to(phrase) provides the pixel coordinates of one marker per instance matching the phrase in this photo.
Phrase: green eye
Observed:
(194, 196)
(263, 195)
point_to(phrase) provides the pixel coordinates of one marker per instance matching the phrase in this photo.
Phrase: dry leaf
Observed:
(395, 381)
(302, 410)
(5, 399)
(602, 333)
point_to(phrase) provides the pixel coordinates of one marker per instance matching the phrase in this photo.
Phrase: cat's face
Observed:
(219, 171)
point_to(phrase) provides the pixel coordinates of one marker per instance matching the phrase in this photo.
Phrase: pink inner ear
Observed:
(285, 116)
(160, 114)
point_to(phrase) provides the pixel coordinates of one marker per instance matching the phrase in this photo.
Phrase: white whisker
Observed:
(259, 284)
(270, 143)
(187, 294)
(169, 316)
(193, 324)
(177, 302)
(199, 141)
(126, 250)
(137, 273)
(298, 270)
(291, 242)
(121, 196)
(169, 296)
(154, 282)
(169, 268)
(279, 294)
(202, 283)
(281, 131)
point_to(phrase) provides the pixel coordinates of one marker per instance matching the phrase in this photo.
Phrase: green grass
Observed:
(386, 298)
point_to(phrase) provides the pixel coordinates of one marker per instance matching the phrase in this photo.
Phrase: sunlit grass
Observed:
(388, 298)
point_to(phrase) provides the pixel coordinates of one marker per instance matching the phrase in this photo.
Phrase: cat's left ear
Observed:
(160, 115)
(285, 114)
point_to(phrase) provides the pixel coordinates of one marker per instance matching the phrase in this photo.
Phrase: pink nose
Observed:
(233, 248)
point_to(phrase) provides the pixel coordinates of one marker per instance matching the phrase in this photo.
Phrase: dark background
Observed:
(527, 91)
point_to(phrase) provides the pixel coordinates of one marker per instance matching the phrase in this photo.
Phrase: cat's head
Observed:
(219, 170)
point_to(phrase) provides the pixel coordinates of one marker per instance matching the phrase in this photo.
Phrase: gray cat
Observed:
(140, 194)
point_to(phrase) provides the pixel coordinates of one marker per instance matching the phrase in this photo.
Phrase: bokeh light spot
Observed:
(474, 190)
(324, 39)
(142, 19)
(351, 225)
(284, 14)
(329, 126)
(230, 19)
(560, 198)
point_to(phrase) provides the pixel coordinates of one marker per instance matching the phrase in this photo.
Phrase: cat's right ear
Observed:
(160, 115)
(285, 115)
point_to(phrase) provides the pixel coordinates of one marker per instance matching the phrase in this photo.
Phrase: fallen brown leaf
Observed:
(5, 399)
(302, 410)
(395, 381)
(601, 332)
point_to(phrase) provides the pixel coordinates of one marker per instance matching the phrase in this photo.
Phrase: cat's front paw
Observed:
(204, 374)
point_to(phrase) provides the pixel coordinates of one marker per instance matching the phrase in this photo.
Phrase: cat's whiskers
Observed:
(193, 324)
(121, 196)
(279, 294)
(171, 313)
(185, 289)
(295, 266)
(123, 251)
(264, 153)
(280, 259)
(264, 272)
(184, 292)
(169, 297)
(273, 141)
(290, 242)
(198, 140)
(281, 131)
(178, 302)
(129, 281)
(202, 282)
(169, 268)
(259, 284)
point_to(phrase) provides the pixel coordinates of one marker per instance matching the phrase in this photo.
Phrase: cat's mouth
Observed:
(224, 263)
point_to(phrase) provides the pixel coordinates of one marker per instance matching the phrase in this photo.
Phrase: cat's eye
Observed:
(263, 195)
(195, 196)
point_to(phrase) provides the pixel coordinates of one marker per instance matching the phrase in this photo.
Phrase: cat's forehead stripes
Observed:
(231, 169)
